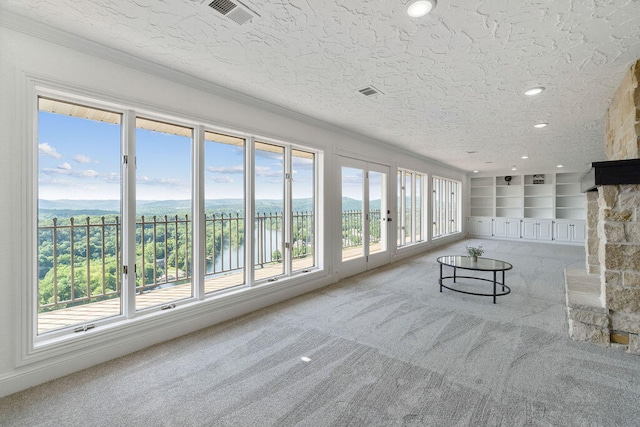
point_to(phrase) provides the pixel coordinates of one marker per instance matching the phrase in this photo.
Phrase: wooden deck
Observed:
(87, 313)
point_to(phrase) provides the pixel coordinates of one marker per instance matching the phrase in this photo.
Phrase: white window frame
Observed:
(401, 241)
(447, 221)
(32, 347)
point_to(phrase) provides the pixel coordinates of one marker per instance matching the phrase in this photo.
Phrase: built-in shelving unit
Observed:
(538, 196)
(570, 202)
(509, 196)
(542, 207)
(482, 196)
(543, 196)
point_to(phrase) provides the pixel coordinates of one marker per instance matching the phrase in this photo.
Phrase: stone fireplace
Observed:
(604, 300)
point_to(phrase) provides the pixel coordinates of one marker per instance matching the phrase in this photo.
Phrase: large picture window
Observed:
(163, 213)
(121, 232)
(224, 208)
(446, 207)
(79, 221)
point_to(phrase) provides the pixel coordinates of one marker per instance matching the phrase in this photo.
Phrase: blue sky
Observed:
(80, 159)
(352, 183)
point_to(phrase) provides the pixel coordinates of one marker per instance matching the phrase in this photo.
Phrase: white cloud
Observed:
(81, 158)
(54, 181)
(65, 169)
(48, 150)
(226, 169)
(222, 179)
(266, 171)
(90, 173)
(112, 177)
(166, 182)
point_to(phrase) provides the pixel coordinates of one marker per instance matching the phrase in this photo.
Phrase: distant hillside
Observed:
(78, 208)
(103, 205)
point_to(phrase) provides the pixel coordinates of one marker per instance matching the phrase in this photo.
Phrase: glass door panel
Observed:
(79, 240)
(365, 215)
(378, 215)
(224, 209)
(269, 208)
(352, 213)
(377, 212)
(303, 206)
(163, 213)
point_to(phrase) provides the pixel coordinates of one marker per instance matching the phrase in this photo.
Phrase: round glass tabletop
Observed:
(483, 264)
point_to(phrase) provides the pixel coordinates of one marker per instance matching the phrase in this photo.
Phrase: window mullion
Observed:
(129, 213)
(199, 237)
(287, 213)
(413, 207)
(403, 187)
(250, 208)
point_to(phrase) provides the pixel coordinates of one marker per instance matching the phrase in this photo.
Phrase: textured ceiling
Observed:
(453, 81)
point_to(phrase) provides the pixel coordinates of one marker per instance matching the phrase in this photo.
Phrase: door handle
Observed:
(389, 219)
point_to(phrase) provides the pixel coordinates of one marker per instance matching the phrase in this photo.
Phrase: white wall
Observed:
(63, 59)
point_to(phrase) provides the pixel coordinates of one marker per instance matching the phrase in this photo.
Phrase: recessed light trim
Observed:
(420, 8)
(534, 91)
(541, 125)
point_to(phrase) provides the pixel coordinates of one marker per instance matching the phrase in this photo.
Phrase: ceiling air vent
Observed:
(369, 91)
(234, 10)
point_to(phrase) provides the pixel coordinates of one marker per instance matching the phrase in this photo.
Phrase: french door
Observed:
(365, 215)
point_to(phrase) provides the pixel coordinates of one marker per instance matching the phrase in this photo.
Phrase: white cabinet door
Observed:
(545, 230)
(513, 228)
(480, 226)
(506, 227)
(569, 231)
(500, 227)
(537, 229)
(562, 231)
(529, 229)
(579, 231)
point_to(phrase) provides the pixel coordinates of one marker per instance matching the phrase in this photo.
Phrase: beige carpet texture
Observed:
(384, 348)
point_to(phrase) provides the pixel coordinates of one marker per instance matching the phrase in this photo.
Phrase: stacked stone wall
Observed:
(592, 242)
(611, 316)
(622, 121)
(619, 257)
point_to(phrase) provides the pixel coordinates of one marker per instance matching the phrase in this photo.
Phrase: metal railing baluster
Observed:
(230, 256)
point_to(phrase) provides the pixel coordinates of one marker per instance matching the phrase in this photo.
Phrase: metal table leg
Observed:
(494, 286)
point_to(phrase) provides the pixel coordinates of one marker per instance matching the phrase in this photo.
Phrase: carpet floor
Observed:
(385, 348)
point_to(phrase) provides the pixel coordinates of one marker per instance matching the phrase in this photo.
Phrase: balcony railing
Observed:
(80, 260)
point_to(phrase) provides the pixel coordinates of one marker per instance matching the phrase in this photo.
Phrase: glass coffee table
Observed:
(482, 264)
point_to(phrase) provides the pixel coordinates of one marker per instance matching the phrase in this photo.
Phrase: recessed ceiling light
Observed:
(475, 171)
(560, 166)
(420, 8)
(514, 168)
(524, 157)
(305, 359)
(541, 125)
(534, 91)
